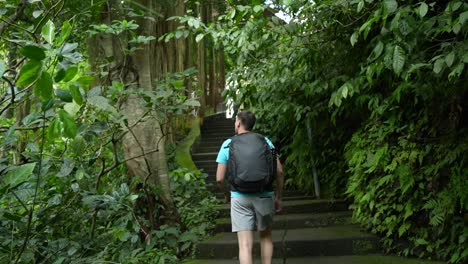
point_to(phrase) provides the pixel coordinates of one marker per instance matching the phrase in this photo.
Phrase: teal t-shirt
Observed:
(223, 157)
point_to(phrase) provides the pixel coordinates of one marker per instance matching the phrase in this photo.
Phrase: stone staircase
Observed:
(307, 231)
(214, 131)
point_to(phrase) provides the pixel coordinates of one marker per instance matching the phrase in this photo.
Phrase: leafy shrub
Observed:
(382, 87)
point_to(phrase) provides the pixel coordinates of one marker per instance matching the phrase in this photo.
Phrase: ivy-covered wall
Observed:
(373, 94)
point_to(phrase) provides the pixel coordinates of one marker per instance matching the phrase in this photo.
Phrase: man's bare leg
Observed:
(245, 239)
(266, 245)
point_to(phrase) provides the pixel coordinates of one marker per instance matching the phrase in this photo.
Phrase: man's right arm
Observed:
(279, 186)
(220, 174)
(222, 160)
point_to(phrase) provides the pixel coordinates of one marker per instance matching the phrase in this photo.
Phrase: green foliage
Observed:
(65, 195)
(373, 94)
(195, 203)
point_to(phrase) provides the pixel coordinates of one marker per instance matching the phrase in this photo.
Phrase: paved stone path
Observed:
(308, 231)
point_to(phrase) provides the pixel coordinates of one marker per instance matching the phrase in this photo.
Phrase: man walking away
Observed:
(252, 170)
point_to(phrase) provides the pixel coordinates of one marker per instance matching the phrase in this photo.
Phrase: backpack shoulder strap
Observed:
(266, 141)
(227, 145)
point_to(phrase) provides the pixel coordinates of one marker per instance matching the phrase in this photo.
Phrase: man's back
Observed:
(251, 163)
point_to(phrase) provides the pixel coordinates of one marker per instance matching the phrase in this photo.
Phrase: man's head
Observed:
(245, 120)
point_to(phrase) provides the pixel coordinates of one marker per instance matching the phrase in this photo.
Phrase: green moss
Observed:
(182, 156)
(362, 246)
(372, 259)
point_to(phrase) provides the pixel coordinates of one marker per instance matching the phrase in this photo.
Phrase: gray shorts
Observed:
(249, 213)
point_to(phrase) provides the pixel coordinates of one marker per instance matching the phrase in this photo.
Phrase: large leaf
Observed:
(69, 126)
(65, 32)
(70, 73)
(450, 58)
(423, 8)
(44, 86)
(439, 65)
(85, 80)
(2, 68)
(199, 37)
(390, 6)
(76, 94)
(354, 38)
(33, 52)
(59, 75)
(18, 175)
(67, 167)
(398, 59)
(377, 51)
(55, 128)
(463, 17)
(29, 73)
(101, 103)
(68, 48)
(37, 13)
(192, 103)
(64, 95)
(48, 32)
(72, 108)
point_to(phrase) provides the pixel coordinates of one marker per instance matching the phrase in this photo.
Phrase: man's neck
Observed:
(242, 131)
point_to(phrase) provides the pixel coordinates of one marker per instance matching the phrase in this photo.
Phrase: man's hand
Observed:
(279, 186)
(227, 196)
(278, 206)
(220, 172)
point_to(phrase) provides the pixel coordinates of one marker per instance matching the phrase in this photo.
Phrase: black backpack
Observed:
(252, 163)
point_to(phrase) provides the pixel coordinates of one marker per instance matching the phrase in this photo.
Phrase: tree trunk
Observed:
(23, 109)
(221, 77)
(180, 43)
(201, 78)
(150, 131)
(145, 136)
(211, 63)
(201, 63)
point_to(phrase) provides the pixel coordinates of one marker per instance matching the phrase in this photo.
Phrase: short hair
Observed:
(247, 119)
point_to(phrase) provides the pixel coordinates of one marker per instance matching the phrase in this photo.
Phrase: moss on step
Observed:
(363, 246)
(183, 156)
(368, 259)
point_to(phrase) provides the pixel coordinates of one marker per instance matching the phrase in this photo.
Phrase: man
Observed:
(250, 211)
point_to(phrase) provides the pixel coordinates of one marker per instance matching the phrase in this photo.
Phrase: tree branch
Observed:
(12, 19)
(12, 88)
(123, 161)
(4, 128)
(41, 22)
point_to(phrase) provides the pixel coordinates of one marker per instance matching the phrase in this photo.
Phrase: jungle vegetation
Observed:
(95, 96)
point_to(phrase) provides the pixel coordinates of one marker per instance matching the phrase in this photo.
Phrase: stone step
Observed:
(296, 221)
(287, 196)
(299, 207)
(208, 161)
(216, 135)
(357, 259)
(217, 119)
(211, 172)
(218, 129)
(208, 169)
(213, 137)
(224, 126)
(229, 131)
(223, 132)
(323, 241)
(214, 142)
(205, 149)
(206, 164)
(204, 157)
